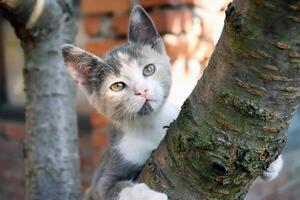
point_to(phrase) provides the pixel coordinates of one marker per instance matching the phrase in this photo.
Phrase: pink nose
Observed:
(142, 93)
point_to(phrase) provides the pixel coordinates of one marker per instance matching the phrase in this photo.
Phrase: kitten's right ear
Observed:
(80, 65)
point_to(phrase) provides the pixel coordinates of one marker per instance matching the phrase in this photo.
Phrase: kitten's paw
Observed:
(141, 192)
(272, 172)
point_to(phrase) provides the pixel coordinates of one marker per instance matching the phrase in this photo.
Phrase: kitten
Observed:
(129, 86)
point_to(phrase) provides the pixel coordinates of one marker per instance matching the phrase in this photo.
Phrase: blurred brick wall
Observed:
(12, 172)
(12, 182)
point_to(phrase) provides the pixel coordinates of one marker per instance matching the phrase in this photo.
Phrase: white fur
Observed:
(273, 171)
(141, 192)
(141, 139)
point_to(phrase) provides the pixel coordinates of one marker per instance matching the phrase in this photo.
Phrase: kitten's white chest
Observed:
(138, 142)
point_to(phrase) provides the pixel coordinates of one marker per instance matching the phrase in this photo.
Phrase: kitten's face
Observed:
(139, 86)
(132, 81)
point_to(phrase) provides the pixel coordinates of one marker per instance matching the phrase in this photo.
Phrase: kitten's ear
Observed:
(80, 65)
(142, 29)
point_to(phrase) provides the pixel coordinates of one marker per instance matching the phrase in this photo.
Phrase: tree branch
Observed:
(51, 141)
(234, 124)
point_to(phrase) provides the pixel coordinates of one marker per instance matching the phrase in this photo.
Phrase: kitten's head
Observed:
(133, 80)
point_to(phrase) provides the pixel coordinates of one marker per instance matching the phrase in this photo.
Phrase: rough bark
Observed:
(51, 141)
(234, 124)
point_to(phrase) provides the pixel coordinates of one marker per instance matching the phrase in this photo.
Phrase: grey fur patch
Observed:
(146, 109)
(131, 50)
(100, 73)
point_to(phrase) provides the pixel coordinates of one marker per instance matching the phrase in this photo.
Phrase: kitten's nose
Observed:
(142, 93)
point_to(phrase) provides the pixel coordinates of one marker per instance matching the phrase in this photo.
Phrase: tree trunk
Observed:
(234, 124)
(51, 141)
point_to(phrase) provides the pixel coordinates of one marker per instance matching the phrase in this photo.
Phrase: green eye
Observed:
(149, 70)
(117, 87)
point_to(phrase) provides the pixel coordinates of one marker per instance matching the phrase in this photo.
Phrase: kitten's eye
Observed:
(149, 70)
(117, 87)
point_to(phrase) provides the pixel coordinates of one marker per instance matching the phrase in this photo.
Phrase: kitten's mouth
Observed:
(146, 109)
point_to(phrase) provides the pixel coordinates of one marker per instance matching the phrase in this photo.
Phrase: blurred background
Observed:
(190, 29)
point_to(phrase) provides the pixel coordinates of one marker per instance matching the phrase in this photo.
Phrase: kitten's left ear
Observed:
(142, 29)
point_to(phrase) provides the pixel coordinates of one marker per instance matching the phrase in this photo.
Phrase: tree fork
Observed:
(51, 140)
(234, 124)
